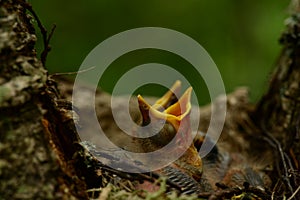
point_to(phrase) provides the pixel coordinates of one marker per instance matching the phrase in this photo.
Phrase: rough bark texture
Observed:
(29, 167)
(278, 112)
(280, 105)
(39, 152)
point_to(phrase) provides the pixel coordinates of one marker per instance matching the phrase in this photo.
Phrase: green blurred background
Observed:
(241, 36)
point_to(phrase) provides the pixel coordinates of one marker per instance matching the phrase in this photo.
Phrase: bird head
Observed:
(175, 113)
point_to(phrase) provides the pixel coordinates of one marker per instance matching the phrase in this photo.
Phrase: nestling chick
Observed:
(175, 114)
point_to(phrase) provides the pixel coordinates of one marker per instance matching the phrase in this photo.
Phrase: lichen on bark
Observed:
(28, 165)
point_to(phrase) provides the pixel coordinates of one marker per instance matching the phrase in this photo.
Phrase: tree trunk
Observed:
(278, 111)
(30, 168)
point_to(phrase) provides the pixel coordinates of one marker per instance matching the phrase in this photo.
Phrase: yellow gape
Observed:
(176, 115)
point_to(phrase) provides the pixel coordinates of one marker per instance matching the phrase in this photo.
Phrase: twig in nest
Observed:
(283, 156)
(46, 37)
(294, 194)
(226, 192)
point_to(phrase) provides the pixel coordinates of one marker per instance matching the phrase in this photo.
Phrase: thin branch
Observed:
(294, 194)
(72, 73)
(46, 37)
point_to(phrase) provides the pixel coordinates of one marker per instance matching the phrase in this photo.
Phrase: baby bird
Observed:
(221, 165)
(186, 171)
(167, 124)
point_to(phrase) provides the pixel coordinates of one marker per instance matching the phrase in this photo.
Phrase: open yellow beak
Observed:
(169, 98)
(177, 113)
(173, 113)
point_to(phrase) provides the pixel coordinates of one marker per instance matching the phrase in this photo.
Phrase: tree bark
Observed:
(29, 166)
(278, 111)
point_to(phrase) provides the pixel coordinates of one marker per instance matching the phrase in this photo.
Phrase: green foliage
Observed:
(241, 36)
(115, 193)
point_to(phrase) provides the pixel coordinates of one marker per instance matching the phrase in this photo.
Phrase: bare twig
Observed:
(284, 158)
(46, 37)
(294, 194)
(71, 73)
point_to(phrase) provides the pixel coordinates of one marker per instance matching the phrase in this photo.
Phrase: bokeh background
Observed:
(241, 36)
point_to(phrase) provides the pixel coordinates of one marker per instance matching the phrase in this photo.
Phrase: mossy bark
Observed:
(29, 167)
(278, 111)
